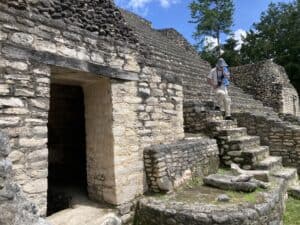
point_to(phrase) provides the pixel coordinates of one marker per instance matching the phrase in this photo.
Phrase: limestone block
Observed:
(16, 156)
(116, 62)
(4, 89)
(3, 36)
(82, 54)
(9, 121)
(40, 103)
(42, 70)
(97, 57)
(17, 65)
(32, 142)
(40, 130)
(46, 46)
(38, 155)
(44, 80)
(63, 50)
(37, 186)
(22, 38)
(131, 64)
(24, 92)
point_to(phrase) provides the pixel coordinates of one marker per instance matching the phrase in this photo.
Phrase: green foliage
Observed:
(292, 215)
(212, 18)
(276, 36)
(231, 55)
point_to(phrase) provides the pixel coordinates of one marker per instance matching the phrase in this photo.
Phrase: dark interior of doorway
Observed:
(67, 146)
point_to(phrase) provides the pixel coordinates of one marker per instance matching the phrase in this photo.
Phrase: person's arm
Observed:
(210, 80)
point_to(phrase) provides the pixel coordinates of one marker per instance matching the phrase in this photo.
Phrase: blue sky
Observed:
(175, 13)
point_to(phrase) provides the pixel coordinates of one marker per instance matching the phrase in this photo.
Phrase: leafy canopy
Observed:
(277, 37)
(212, 18)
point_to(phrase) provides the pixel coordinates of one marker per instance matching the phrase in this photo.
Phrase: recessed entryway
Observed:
(81, 166)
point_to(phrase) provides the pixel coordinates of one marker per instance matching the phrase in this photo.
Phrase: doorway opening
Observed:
(67, 146)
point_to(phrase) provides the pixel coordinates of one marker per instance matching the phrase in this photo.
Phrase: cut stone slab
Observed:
(294, 191)
(226, 182)
(262, 175)
(270, 163)
(289, 174)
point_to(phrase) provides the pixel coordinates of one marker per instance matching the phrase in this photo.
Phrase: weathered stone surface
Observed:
(226, 182)
(294, 191)
(171, 165)
(167, 211)
(269, 83)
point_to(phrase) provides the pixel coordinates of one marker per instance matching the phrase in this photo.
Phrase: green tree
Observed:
(277, 37)
(231, 53)
(212, 18)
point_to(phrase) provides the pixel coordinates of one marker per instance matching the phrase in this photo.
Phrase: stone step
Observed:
(288, 174)
(234, 132)
(294, 191)
(244, 142)
(223, 124)
(214, 115)
(254, 155)
(270, 163)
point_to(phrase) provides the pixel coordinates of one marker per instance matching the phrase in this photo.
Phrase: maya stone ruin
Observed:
(100, 113)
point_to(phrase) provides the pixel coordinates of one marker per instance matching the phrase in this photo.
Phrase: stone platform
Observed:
(198, 205)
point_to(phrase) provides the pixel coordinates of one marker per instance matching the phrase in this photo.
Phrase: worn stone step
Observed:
(244, 142)
(223, 124)
(214, 115)
(289, 174)
(234, 132)
(294, 191)
(270, 163)
(254, 155)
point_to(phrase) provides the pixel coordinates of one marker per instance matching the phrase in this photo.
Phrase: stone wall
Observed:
(172, 59)
(269, 83)
(282, 137)
(169, 166)
(178, 39)
(24, 105)
(196, 114)
(28, 36)
(14, 208)
(152, 211)
(100, 17)
(146, 101)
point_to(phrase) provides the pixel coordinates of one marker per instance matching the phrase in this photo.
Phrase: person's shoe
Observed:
(217, 108)
(228, 118)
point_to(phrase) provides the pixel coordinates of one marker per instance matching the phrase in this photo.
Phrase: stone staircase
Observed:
(236, 146)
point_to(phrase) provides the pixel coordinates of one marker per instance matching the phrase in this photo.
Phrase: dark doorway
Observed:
(67, 146)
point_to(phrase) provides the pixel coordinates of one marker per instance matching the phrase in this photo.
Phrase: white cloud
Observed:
(210, 42)
(239, 35)
(143, 4)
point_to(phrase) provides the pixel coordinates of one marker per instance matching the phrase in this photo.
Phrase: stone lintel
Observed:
(71, 63)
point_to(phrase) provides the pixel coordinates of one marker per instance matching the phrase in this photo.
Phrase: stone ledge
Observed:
(152, 211)
(72, 63)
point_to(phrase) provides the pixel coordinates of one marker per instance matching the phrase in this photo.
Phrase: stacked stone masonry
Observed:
(31, 45)
(141, 76)
(152, 211)
(169, 166)
(100, 17)
(14, 208)
(269, 83)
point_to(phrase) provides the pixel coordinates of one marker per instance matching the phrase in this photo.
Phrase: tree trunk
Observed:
(219, 45)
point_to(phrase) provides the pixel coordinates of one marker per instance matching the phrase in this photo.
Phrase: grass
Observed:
(292, 213)
(253, 197)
